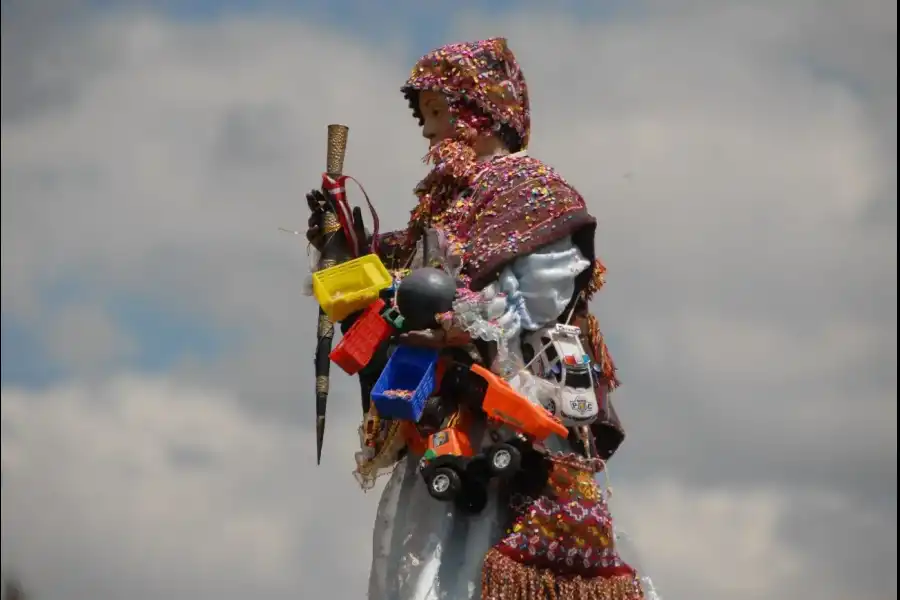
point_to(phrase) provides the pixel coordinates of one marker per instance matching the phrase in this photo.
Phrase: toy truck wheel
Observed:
(504, 460)
(473, 497)
(444, 484)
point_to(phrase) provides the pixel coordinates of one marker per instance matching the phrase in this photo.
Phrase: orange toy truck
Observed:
(505, 405)
(453, 469)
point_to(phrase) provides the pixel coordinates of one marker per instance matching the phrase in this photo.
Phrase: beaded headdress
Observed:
(486, 95)
(483, 74)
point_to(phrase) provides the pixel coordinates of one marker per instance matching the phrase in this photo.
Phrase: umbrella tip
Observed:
(320, 437)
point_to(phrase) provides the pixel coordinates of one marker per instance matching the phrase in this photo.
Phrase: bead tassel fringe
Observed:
(601, 353)
(505, 579)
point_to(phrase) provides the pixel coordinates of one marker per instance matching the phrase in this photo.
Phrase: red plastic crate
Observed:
(359, 344)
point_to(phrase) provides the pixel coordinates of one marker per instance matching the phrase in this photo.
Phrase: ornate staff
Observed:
(334, 215)
(334, 251)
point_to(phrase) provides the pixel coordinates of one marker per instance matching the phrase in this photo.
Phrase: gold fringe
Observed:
(598, 279)
(502, 578)
(386, 454)
(578, 463)
(601, 352)
(372, 427)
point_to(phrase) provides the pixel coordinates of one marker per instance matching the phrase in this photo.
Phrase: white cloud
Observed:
(711, 544)
(166, 485)
(177, 489)
(731, 543)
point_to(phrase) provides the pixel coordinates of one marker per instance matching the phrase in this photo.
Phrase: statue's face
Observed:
(436, 113)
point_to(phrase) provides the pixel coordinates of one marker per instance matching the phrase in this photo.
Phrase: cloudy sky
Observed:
(157, 409)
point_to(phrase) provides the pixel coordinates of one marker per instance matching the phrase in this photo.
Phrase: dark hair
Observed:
(508, 136)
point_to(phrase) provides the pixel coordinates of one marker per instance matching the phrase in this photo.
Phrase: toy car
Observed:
(561, 358)
(504, 405)
(450, 461)
(452, 469)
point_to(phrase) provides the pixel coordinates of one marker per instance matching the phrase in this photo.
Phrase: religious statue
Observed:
(517, 243)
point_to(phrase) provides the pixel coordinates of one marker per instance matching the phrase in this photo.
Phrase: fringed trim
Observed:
(598, 279)
(393, 250)
(502, 578)
(372, 428)
(381, 449)
(578, 462)
(454, 162)
(601, 353)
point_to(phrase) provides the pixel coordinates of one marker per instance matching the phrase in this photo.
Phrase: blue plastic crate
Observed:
(411, 369)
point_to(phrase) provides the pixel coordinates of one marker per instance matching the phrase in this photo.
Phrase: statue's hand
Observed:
(318, 204)
(436, 338)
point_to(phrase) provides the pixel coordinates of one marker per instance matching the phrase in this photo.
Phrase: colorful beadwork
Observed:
(484, 73)
(568, 529)
(492, 212)
(516, 205)
(561, 543)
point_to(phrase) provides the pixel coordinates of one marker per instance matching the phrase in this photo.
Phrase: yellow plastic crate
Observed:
(351, 286)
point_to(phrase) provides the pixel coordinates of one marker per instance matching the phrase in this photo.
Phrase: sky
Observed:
(157, 393)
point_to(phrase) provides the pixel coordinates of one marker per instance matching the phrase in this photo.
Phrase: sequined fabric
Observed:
(518, 205)
(496, 211)
(568, 529)
(507, 579)
(562, 542)
(484, 73)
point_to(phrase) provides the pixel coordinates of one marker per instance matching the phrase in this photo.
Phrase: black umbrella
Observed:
(344, 239)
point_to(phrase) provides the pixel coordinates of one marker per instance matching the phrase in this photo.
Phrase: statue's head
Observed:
(472, 93)
(433, 110)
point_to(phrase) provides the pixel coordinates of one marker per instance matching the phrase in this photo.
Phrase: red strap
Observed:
(335, 188)
(338, 193)
(376, 224)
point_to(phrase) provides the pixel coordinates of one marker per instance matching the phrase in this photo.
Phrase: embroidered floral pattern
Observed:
(569, 529)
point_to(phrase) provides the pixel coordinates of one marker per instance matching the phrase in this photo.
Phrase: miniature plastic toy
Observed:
(452, 468)
(505, 406)
(561, 358)
(405, 384)
(351, 286)
(424, 293)
(359, 344)
(419, 296)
